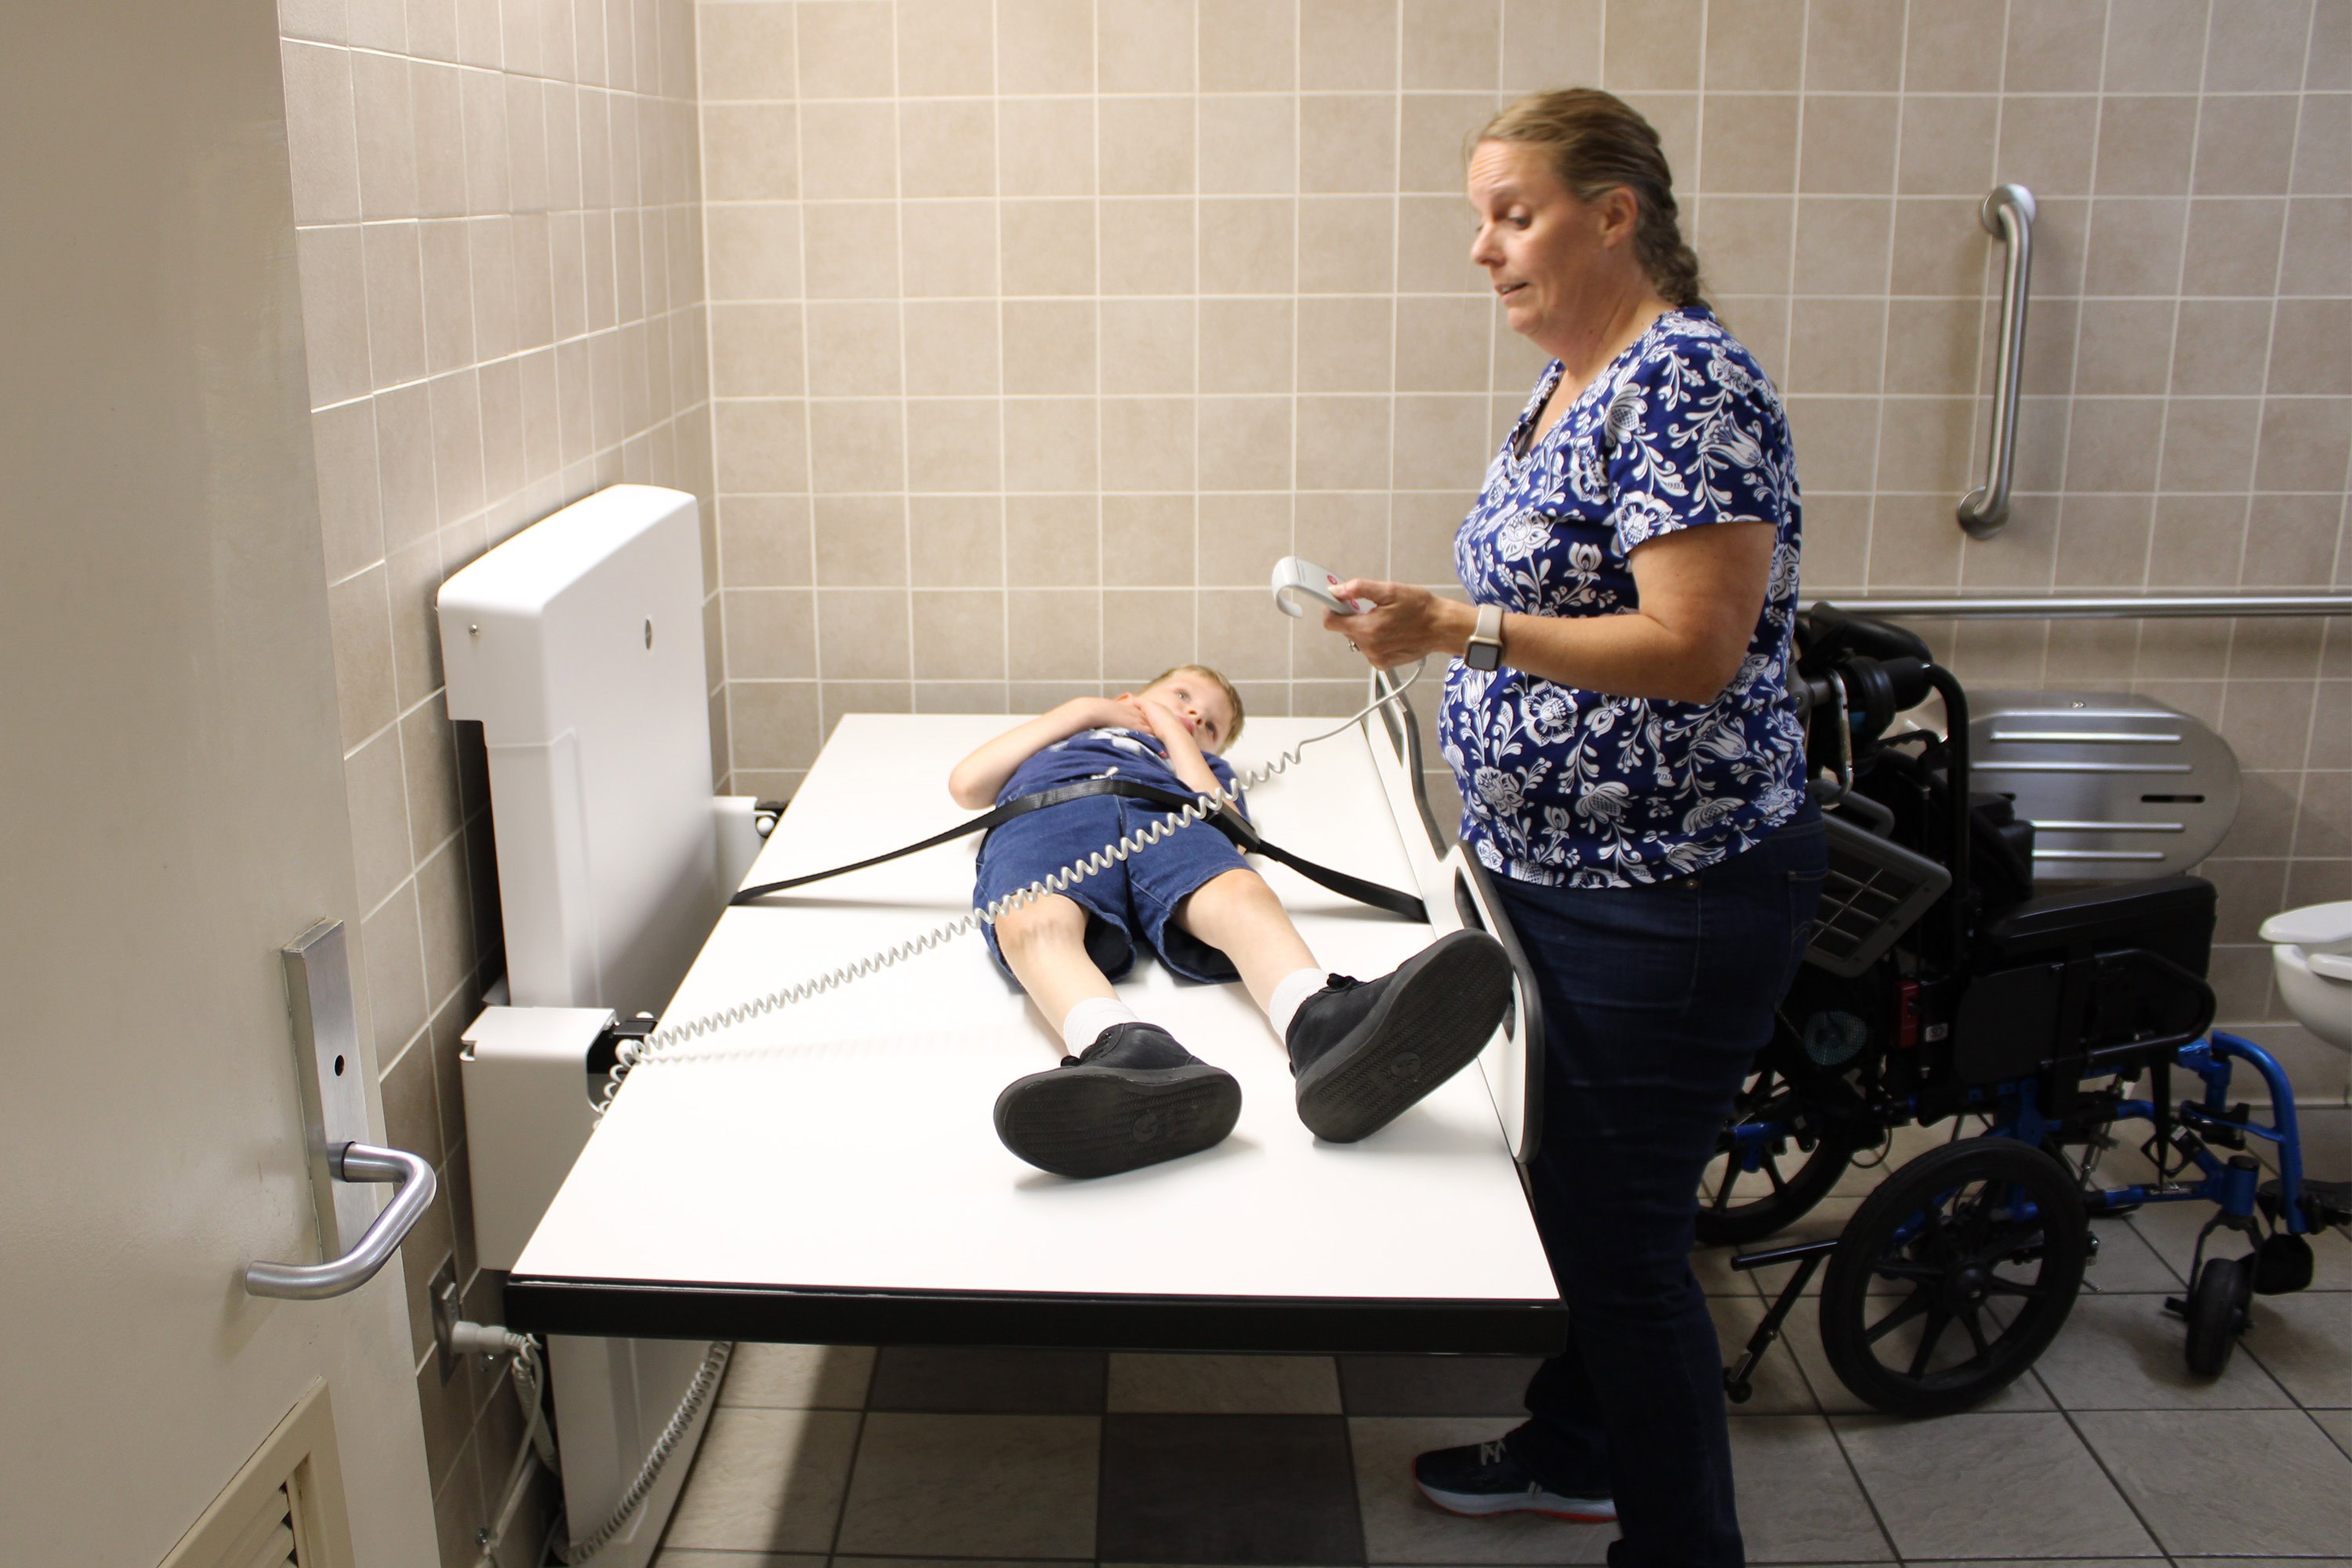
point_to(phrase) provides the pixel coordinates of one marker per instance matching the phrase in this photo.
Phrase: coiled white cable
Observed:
(530, 1376)
(661, 1044)
(705, 1379)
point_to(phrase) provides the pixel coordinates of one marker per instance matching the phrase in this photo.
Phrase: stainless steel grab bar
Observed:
(2076, 607)
(2009, 213)
(355, 1163)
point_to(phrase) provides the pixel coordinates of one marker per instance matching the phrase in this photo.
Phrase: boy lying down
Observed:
(1129, 1095)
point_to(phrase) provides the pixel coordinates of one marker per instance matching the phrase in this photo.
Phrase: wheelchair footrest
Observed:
(2324, 1202)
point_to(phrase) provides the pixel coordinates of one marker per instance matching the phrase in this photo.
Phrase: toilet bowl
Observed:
(2311, 954)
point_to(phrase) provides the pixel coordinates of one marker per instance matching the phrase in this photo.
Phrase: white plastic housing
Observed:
(578, 644)
(528, 1116)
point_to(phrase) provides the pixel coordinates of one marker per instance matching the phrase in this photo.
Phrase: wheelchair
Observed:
(1939, 986)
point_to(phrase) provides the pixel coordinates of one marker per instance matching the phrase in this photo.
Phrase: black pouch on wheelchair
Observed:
(2100, 978)
(2000, 851)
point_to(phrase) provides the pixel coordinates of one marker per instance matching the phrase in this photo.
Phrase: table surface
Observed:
(845, 1145)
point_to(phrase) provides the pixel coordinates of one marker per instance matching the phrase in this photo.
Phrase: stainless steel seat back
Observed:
(2117, 788)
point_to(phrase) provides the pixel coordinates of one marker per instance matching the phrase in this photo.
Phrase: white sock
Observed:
(1295, 988)
(1085, 1022)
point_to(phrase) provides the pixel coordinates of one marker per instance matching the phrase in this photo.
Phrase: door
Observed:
(172, 807)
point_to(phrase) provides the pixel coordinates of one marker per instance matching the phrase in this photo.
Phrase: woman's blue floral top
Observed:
(1563, 786)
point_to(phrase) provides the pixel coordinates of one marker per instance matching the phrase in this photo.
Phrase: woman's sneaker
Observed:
(1484, 1478)
(1133, 1097)
(1366, 1051)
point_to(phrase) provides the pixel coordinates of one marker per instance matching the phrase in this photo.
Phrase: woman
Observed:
(1619, 718)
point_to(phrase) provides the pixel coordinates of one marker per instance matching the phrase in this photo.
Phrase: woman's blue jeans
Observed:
(1655, 1001)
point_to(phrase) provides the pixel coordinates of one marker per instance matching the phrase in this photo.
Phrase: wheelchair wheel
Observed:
(1985, 1243)
(1797, 1161)
(2217, 1314)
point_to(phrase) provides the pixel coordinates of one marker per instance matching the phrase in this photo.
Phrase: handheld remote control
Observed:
(1297, 580)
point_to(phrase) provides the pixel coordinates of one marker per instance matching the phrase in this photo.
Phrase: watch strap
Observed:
(1486, 643)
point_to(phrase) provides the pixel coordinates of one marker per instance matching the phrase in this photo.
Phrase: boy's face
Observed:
(1199, 701)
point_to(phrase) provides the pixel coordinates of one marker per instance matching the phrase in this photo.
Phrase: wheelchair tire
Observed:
(1947, 1225)
(1795, 1178)
(2217, 1314)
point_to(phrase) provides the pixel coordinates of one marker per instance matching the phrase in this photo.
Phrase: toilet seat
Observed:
(2311, 955)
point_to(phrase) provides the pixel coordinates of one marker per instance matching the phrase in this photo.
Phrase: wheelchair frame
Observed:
(1950, 1221)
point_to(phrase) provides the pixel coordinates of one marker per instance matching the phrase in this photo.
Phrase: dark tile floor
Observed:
(2108, 1451)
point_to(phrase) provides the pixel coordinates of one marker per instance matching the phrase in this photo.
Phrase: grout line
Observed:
(2138, 1516)
(808, 404)
(1095, 199)
(905, 421)
(709, 324)
(2181, 93)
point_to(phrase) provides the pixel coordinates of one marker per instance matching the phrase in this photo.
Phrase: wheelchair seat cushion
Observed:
(2172, 916)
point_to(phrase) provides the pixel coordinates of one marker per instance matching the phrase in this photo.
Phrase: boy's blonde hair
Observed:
(1232, 698)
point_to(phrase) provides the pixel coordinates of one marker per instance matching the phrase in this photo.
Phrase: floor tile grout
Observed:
(2101, 1461)
(2107, 1397)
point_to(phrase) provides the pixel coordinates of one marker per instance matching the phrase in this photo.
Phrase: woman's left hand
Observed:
(1405, 624)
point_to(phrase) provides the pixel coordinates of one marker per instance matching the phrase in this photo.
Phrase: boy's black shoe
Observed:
(1134, 1097)
(1365, 1052)
(1483, 1478)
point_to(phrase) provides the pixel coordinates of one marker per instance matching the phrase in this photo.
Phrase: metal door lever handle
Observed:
(355, 1162)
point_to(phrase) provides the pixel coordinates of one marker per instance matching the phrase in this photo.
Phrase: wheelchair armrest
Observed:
(2172, 916)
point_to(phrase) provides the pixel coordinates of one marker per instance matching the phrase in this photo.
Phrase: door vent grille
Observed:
(268, 1541)
(285, 1508)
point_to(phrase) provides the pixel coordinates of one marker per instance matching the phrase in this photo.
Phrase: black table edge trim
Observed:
(786, 1315)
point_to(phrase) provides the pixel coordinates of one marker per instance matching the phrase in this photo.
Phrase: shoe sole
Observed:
(1435, 1017)
(1097, 1122)
(1465, 1506)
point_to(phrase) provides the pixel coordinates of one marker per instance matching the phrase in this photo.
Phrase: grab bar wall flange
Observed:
(2007, 212)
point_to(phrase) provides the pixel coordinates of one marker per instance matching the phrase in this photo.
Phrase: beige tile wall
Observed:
(501, 275)
(1041, 328)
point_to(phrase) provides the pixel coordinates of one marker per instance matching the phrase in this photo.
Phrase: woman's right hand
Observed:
(1405, 624)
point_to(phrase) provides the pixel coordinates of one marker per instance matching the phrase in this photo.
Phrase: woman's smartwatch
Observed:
(1486, 649)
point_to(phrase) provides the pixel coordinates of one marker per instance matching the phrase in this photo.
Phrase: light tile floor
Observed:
(2108, 1452)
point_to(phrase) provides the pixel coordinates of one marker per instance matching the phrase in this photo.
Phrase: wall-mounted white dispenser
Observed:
(578, 646)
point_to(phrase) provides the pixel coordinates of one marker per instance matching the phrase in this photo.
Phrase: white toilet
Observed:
(2311, 954)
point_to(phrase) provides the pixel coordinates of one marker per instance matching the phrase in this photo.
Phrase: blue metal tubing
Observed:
(2282, 1129)
(2231, 1190)
(2234, 1191)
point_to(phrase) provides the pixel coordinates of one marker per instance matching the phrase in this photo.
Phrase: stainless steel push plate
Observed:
(333, 1075)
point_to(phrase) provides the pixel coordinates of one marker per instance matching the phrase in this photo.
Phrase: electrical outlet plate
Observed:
(333, 1077)
(447, 1309)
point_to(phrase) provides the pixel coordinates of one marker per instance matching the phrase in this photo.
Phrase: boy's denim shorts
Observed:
(1131, 899)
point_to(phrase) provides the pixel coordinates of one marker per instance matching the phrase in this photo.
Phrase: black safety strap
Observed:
(1226, 820)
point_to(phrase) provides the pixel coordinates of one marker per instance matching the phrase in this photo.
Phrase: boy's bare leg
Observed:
(1236, 913)
(1133, 1097)
(1044, 945)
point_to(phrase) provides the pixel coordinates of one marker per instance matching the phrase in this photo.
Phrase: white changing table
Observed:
(836, 1178)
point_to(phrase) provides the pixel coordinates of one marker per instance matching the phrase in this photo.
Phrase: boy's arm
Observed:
(975, 780)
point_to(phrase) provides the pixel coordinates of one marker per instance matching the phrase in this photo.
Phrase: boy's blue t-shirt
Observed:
(1091, 754)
